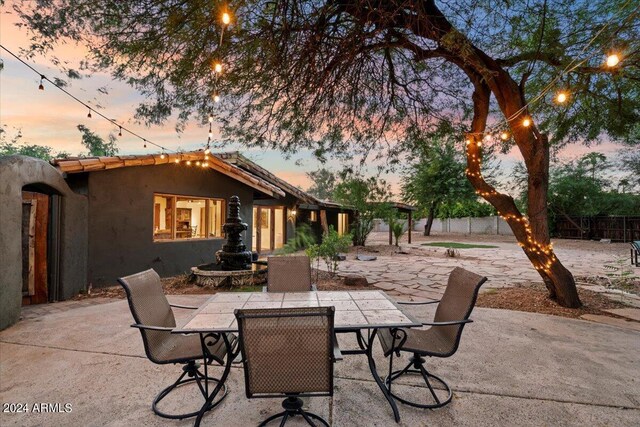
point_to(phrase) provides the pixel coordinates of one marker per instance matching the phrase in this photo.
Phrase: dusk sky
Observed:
(50, 118)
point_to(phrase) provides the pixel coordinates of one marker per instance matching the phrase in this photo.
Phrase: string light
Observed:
(76, 99)
(177, 160)
(217, 67)
(613, 60)
(561, 97)
(216, 98)
(162, 156)
(207, 151)
(188, 162)
(504, 136)
(526, 122)
(226, 18)
(198, 163)
(210, 118)
(145, 143)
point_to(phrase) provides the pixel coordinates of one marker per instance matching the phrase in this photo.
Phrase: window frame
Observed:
(174, 209)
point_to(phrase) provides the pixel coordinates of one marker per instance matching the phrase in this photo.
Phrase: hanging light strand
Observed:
(91, 109)
(574, 64)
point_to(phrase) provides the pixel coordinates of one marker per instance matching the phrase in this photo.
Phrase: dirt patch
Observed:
(534, 298)
(181, 285)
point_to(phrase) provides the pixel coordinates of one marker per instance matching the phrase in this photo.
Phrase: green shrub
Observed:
(304, 237)
(331, 246)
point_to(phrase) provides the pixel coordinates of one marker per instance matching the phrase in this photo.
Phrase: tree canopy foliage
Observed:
(355, 75)
(13, 144)
(323, 183)
(370, 198)
(588, 186)
(96, 145)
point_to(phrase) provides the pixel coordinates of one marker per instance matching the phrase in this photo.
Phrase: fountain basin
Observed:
(212, 275)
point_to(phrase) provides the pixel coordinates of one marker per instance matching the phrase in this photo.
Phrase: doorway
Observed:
(269, 228)
(35, 251)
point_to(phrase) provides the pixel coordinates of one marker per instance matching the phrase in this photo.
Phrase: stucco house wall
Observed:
(121, 219)
(16, 172)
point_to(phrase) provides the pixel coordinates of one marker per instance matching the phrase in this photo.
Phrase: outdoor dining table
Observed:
(366, 310)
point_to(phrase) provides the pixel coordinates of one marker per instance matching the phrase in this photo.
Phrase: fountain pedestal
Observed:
(233, 267)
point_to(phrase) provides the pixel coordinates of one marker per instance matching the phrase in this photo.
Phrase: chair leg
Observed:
(417, 362)
(190, 370)
(293, 407)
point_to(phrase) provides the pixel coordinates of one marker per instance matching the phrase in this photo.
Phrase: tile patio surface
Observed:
(512, 368)
(422, 274)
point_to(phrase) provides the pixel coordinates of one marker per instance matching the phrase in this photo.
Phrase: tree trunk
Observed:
(532, 233)
(427, 226)
(489, 78)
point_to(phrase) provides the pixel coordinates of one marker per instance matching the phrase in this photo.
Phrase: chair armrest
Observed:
(188, 307)
(416, 303)
(455, 322)
(152, 328)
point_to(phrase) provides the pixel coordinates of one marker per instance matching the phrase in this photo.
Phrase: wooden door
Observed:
(35, 224)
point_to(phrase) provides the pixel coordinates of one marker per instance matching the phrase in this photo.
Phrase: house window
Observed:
(186, 217)
(343, 223)
(313, 216)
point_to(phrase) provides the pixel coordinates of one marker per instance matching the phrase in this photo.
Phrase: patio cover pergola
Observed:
(403, 208)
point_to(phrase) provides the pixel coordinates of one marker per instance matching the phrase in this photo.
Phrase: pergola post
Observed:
(390, 233)
(410, 227)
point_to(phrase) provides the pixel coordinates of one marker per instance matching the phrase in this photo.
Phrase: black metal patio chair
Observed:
(440, 340)
(154, 318)
(290, 352)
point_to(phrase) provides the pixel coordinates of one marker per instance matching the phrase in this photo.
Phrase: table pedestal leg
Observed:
(374, 372)
(227, 368)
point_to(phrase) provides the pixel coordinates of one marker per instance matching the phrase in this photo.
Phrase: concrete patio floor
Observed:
(512, 368)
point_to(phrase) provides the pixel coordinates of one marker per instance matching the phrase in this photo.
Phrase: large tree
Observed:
(354, 76)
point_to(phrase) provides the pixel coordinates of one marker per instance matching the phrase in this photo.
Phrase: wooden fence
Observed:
(616, 228)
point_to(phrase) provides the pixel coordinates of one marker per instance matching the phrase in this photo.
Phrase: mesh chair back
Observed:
(287, 351)
(288, 274)
(150, 307)
(457, 303)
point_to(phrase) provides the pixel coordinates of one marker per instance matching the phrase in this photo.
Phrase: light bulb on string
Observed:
(613, 60)
(177, 160)
(145, 143)
(504, 136)
(162, 156)
(207, 150)
(217, 67)
(526, 122)
(226, 18)
(561, 97)
(41, 87)
(89, 113)
(210, 118)
(198, 163)
(216, 98)
(188, 162)
(120, 131)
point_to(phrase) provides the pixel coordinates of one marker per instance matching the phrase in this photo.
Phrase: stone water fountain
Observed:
(233, 266)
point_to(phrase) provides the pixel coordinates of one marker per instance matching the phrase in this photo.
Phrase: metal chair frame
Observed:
(417, 362)
(191, 368)
(292, 404)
